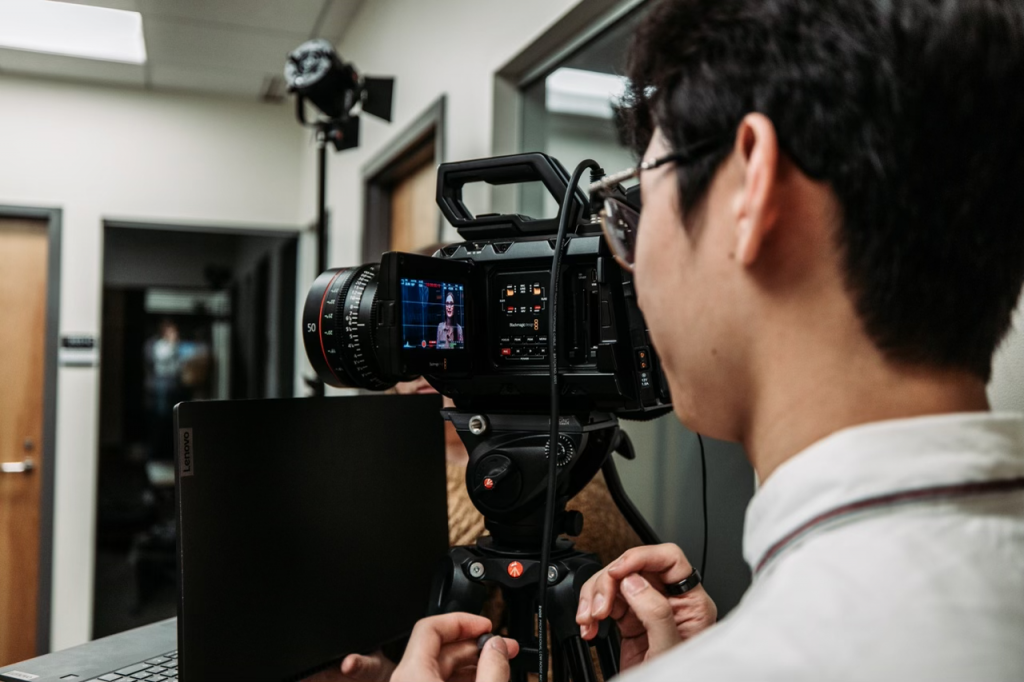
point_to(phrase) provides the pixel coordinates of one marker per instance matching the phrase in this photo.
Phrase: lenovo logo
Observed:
(185, 454)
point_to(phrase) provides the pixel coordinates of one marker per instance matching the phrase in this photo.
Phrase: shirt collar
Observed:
(878, 459)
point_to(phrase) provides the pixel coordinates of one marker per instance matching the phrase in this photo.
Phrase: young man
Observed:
(830, 250)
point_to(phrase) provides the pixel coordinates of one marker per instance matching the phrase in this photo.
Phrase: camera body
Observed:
(473, 319)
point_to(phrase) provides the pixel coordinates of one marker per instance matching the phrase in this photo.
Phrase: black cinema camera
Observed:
(474, 318)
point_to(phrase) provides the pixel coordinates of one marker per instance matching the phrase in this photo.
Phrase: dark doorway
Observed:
(187, 315)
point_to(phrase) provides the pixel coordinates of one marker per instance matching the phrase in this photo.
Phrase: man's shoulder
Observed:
(888, 598)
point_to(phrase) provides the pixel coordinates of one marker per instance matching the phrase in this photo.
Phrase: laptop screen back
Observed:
(307, 529)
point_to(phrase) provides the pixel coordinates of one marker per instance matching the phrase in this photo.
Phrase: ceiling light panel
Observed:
(583, 93)
(74, 30)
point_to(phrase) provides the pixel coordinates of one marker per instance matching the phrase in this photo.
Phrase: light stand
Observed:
(315, 72)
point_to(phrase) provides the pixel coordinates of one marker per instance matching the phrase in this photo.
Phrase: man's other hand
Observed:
(444, 649)
(373, 668)
(631, 590)
(356, 668)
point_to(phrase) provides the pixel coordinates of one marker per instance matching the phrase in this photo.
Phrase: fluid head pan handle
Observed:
(503, 170)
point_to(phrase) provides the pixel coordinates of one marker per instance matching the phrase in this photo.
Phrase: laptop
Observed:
(308, 529)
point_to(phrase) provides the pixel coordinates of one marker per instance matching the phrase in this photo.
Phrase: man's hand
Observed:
(631, 590)
(443, 649)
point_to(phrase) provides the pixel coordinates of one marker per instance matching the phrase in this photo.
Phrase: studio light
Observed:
(314, 72)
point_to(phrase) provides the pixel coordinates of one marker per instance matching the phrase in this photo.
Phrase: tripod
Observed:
(506, 477)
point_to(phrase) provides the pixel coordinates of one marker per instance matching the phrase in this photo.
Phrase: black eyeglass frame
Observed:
(604, 187)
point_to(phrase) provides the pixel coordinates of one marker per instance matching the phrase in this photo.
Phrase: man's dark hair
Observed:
(911, 110)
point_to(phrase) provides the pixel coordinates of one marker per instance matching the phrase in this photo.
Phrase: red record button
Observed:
(515, 569)
(489, 483)
(506, 351)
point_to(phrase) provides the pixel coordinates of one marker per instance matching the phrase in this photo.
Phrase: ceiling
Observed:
(228, 47)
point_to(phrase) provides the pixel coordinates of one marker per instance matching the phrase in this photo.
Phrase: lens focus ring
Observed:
(338, 328)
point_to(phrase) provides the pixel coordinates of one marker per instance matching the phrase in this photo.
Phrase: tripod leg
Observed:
(608, 653)
(577, 656)
(625, 505)
(521, 627)
(559, 672)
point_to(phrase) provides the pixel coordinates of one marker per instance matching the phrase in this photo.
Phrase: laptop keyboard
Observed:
(160, 669)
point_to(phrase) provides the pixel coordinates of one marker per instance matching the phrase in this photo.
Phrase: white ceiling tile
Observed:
(213, 80)
(170, 42)
(296, 16)
(289, 16)
(220, 46)
(128, 5)
(59, 66)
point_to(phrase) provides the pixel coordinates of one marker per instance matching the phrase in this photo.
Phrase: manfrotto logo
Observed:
(185, 454)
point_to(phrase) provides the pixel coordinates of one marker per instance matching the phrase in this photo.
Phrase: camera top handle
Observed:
(502, 170)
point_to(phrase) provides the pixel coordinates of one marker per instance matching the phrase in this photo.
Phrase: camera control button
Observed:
(506, 351)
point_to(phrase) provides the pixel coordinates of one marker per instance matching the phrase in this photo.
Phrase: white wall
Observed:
(96, 153)
(450, 47)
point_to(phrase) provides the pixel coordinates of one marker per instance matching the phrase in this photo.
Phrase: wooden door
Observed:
(23, 271)
(414, 212)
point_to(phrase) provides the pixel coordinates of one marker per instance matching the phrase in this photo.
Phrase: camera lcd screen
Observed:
(433, 315)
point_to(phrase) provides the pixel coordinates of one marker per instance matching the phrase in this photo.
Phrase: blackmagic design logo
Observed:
(186, 456)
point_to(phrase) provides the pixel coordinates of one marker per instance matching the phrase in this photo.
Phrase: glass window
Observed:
(568, 113)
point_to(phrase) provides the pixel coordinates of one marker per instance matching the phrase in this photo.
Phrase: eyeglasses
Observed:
(619, 220)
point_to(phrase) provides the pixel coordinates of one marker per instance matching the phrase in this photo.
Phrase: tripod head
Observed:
(508, 467)
(507, 480)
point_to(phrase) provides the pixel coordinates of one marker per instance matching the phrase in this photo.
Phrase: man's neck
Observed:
(792, 414)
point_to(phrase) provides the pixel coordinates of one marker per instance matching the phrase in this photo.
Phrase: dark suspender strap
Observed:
(941, 492)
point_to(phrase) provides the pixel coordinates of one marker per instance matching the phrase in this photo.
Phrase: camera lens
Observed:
(339, 323)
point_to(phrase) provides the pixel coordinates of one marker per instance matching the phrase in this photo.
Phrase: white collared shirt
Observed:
(928, 589)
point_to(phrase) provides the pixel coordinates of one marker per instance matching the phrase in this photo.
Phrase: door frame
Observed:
(293, 233)
(422, 139)
(44, 601)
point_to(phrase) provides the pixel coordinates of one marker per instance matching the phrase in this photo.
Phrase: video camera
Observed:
(473, 319)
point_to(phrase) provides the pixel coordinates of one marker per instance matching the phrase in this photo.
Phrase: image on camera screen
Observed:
(432, 315)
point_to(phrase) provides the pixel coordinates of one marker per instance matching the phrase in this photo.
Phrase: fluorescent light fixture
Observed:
(583, 93)
(63, 28)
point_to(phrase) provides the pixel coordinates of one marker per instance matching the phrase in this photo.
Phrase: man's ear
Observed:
(756, 204)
